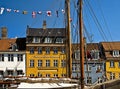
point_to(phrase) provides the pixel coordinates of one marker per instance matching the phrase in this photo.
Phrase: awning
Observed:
(2, 69)
(19, 68)
(10, 68)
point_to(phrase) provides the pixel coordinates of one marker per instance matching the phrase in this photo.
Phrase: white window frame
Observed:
(77, 54)
(115, 53)
(39, 63)
(59, 40)
(20, 57)
(48, 40)
(32, 63)
(55, 63)
(47, 63)
(36, 40)
(10, 57)
(112, 76)
(112, 64)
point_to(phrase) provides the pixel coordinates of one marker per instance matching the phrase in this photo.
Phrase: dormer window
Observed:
(36, 40)
(59, 40)
(115, 53)
(77, 54)
(94, 54)
(48, 40)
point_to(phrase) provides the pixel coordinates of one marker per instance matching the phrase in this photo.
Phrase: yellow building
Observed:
(46, 52)
(112, 57)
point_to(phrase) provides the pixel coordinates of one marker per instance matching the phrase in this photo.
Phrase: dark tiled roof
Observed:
(6, 44)
(90, 46)
(46, 32)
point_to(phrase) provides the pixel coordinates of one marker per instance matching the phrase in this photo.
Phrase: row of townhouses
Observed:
(42, 53)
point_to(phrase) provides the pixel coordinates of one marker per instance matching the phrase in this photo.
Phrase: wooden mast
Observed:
(81, 45)
(69, 52)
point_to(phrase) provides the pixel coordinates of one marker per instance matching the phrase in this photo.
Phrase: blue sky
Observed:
(17, 22)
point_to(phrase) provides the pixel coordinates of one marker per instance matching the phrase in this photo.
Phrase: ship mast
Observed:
(81, 45)
(69, 52)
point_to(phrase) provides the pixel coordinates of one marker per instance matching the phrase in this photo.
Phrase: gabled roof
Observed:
(111, 46)
(6, 44)
(46, 32)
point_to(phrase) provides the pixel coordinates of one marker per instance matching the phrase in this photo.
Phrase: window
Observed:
(1, 72)
(39, 63)
(19, 72)
(99, 80)
(77, 54)
(115, 53)
(32, 75)
(55, 50)
(94, 54)
(98, 68)
(89, 68)
(55, 75)
(63, 63)
(47, 63)
(111, 63)
(119, 64)
(59, 40)
(31, 50)
(39, 74)
(55, 63)
(63, 50)
(1, 57)
(48, 40)
(47, 50)
(31, 63)
(89, 80)
(10, 57)
(36, 40)
(112, 76)
(10, 72)
(39, 50)
(47, 75)
(73, 67)
(20, 57)
(63, 75)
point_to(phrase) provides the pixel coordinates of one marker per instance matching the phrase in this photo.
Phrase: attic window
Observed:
(49, 32)
(115, 53)
(59, 32)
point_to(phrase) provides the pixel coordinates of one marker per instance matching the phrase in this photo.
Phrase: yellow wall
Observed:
(115, 69)
(45, 70)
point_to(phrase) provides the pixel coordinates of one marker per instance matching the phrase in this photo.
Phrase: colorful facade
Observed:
(46, 52)
(111, 52)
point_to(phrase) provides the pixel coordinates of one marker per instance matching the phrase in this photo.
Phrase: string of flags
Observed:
(33, 13)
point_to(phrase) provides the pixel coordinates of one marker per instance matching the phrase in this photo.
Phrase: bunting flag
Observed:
(24, 12)
(16, 11)
(63, 11)
(48, 13)
(1, 10)
(33, 14)
(39, 12)
(57, 13)
(8, 10)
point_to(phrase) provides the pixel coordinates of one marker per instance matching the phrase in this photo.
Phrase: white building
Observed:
(12, 57)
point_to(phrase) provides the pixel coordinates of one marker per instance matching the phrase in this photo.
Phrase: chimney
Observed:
(44, 24)
(3, 33)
